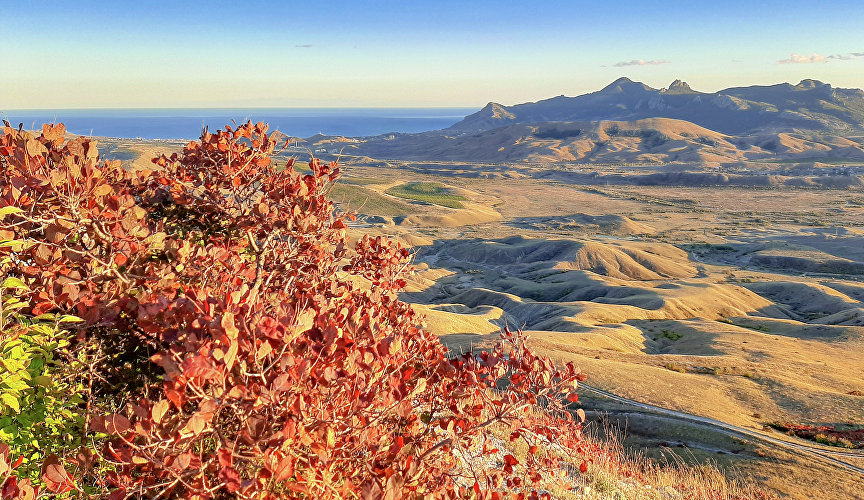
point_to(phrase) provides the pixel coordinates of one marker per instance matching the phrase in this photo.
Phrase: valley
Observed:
(725, 288)
(739, 304)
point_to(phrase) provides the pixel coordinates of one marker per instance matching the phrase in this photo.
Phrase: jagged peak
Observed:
(679, 87)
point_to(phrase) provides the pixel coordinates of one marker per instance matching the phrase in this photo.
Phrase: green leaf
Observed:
(15, 244)
(68, 318)
(15, 383)
(12, 282)
(11, 401)
(9, 210)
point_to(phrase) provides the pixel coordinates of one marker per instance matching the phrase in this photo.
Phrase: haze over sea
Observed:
(187, 123)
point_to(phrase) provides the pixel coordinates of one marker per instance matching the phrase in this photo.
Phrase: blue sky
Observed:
(408, 53)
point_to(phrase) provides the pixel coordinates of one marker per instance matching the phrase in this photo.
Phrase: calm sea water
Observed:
(187, 123)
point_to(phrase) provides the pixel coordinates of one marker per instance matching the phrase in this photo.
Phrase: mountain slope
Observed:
(809, 105)
(645, 141)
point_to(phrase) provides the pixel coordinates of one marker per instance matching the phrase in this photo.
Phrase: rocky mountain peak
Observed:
(679, 87)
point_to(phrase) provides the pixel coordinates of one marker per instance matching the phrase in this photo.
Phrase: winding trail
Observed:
(824, 454)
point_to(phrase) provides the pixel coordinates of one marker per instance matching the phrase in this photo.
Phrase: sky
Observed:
(408, 53)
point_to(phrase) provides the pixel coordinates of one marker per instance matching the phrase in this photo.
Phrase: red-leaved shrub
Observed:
(239, 347)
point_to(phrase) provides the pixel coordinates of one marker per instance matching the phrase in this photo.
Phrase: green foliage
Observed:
(39, 404)
(429, 192)
(673, 336)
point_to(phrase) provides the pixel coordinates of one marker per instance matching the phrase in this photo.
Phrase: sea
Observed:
(188, 123)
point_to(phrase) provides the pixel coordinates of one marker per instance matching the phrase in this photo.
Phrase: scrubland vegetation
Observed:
(204, 329)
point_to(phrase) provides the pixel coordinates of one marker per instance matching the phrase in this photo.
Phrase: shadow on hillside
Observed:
(675, 337)
(616, 226)
(522, 277)
(763, 321)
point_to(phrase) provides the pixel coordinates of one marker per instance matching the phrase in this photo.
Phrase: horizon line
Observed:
(97, 108)
(330, 107)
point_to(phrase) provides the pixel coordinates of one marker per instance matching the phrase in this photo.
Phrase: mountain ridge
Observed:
(808, 105)
(628, 122)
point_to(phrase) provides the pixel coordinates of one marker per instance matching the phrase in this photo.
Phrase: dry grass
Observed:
(615, 473)
(627, 475)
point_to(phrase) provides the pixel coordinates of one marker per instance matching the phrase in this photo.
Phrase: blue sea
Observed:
(188, 123)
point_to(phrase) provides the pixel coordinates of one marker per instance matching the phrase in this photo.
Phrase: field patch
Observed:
(428, 192)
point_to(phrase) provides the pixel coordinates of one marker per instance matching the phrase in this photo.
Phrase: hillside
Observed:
(649, 140)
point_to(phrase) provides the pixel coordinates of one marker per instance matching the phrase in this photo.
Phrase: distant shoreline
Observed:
(187, 123)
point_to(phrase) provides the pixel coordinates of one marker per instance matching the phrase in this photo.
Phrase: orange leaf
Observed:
(103, 190)
(196, 424)
(228, 325)
(120, 259)
(159, 410)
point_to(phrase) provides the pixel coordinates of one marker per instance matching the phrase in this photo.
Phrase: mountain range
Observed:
(809, 105)
(630, 122)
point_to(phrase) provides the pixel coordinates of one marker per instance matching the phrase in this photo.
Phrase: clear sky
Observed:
(408, 53)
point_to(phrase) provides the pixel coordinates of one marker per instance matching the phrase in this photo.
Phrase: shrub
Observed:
(283, 363)
(669, 334)
(38, 396)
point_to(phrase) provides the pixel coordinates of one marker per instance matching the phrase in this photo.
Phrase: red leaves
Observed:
(111, 424)
(230, 478)
(56, 479)
(278, 372)
(284, 469)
